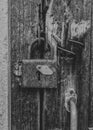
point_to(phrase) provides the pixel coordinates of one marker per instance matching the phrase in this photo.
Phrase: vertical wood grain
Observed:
(91, 73)
(82, 11)
(25, 103)
(52, 113)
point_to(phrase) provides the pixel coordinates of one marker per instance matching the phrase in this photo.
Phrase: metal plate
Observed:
(33, 78)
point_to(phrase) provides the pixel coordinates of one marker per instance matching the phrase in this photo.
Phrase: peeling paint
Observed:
(78, 30)
(50, 26)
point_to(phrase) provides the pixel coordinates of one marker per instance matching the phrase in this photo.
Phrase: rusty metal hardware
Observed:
(65, 50)
(76, 42)
(70, 94)
(18, 72)
(40, 70)
(40, 73)
(18, 69)
(60, 48)
(44, 69)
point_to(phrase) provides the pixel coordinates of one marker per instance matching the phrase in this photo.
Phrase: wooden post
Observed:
(90, 109)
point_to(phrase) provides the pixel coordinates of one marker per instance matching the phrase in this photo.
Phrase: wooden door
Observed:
(43, 109)
(31, 109)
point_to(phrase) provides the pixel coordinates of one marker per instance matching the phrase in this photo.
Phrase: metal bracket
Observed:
(65, 50)
(58, 40)
(18, 72)
(18, 69)
(76, 42)
(70, 94)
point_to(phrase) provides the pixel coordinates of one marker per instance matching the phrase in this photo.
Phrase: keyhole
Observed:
(38, 75)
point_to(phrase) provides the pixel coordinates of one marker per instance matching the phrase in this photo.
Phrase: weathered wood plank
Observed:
(52, 111)
(15, 108)
(82, 11)
(91, 72)
(25, 107)
(26, 102)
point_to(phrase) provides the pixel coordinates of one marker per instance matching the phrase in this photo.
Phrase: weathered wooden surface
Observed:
(90, 119)
(52, 113)
(25, 103)
(81, 10)
(4, 64)
(44, 109)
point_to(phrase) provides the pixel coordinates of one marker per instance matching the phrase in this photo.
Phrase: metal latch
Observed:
(70, 94)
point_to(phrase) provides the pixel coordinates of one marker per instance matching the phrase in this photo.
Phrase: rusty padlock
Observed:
(40, 73)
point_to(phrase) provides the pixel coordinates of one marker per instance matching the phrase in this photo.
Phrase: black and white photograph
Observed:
(46, 64)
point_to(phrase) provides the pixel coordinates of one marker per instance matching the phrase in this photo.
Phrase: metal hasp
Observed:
(75, 46)
(71, 48)
(64, 51)
(40, 70)
(17, 71)
(76, 42)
